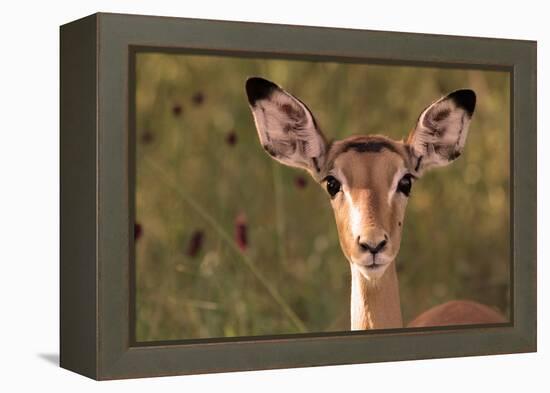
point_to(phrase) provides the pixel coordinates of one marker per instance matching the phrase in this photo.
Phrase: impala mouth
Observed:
(372, 261)
(372, 268)
(374, 265)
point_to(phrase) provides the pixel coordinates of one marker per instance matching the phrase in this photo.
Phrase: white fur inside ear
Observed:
(441, 133)
(287, 130)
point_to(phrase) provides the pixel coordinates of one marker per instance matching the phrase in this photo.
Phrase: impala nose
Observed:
(372, 246)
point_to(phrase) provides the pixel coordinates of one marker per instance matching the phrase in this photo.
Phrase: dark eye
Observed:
(405, 184)
(333, 186)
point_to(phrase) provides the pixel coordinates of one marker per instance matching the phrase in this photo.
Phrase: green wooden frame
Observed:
(97, 157)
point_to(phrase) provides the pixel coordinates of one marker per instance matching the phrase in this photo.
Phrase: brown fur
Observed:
(457, 312)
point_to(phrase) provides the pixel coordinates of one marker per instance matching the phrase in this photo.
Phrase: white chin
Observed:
(372, 271)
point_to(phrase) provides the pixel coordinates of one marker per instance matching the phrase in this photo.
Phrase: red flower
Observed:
(147, 137)
(241, 232)
(177, 110)
(300, 182)
(137, 231)
(231, 138)
(198, 98)
(195, 243)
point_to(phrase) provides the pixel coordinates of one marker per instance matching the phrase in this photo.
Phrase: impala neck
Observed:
(375, 304)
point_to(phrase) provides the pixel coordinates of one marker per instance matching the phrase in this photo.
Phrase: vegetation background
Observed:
(231, 243)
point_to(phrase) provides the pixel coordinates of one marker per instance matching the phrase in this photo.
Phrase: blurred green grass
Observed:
(201, 173)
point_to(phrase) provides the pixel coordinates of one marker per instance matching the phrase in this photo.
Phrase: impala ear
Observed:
(286, 128)
(440, 134)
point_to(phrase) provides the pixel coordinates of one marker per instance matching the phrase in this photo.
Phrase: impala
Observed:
(368, 179)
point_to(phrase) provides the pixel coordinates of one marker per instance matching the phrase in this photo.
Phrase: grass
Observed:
(222, 233)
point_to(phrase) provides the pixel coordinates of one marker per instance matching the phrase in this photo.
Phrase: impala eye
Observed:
(405, 184)
(333, 186)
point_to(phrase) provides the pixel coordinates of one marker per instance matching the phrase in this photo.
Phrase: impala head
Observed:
(367, 178)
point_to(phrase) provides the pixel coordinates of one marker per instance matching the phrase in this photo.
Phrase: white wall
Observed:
(29, 192)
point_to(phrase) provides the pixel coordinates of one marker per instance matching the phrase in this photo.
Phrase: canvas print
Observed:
(277, 196)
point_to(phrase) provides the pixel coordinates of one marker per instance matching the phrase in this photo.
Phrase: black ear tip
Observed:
(258, 88)
(465, 99)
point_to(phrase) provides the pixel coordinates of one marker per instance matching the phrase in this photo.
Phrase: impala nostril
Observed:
(380, 246)
(364, 246)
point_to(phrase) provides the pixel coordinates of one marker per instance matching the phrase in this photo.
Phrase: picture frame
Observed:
(97, 182)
